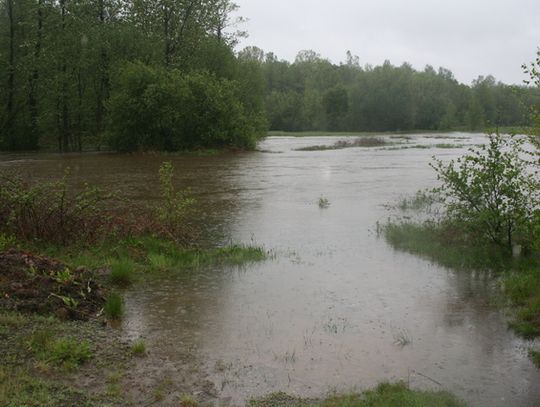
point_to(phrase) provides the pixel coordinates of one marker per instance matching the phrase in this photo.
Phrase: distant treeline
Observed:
(131, 74)
(162, 75)
(314, 94)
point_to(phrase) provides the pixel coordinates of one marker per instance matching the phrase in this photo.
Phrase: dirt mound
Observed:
(31, 283)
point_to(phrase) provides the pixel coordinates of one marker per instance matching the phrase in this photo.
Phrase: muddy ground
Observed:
(40, 294)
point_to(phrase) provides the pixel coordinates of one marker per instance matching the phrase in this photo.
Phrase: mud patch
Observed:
(37, 284)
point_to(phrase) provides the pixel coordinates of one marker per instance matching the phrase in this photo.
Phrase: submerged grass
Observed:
(384, 395)
(535, 357)
(520, 278)
(341, 144)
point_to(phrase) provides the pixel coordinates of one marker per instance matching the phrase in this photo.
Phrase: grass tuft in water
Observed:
(138, 348)
(341, 144)
(114, 306)
(122, 271)
(324, 203)
(535, 357)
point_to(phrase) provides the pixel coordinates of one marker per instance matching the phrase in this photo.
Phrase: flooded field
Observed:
(335, 308)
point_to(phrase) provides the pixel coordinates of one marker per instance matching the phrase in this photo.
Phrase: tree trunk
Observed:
(34, 78)
(103, 87)
(64, 123)
(11, 71)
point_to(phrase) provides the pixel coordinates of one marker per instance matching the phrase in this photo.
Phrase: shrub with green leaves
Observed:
(492, 191)
(51, 211)
(154, 108)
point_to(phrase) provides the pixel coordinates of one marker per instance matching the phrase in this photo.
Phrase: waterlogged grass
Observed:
(384, 395)
(520, 278)
(114, 306)
(122, 271)
(339, 145)
(433, 242)
(419, 201)
(130, 256)
(535, 357)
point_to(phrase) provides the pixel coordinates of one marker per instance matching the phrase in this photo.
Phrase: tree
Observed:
(492, 191)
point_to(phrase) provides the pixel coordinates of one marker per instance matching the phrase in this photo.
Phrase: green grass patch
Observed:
(138, 348)
(433, 242)
(114, 306)
(122, 271)
(19, 387)
(65, 351)
(149, 253)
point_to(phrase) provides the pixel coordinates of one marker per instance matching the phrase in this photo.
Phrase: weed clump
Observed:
(122, 272)
(324, 203)
(138, 348)
(114, 306)
(66, 351)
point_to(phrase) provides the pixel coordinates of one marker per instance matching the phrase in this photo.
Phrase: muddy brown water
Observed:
(337, 308)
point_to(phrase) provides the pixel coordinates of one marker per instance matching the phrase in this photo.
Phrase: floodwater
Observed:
(336, 307)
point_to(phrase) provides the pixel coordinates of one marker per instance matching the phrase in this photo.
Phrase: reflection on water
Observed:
(338, 308)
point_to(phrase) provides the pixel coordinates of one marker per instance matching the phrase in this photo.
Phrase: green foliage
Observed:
(51, 212)
(57, 61)
(21, 387)
(324, 203)
(145, 111)
(314, 94)
(174, 206)
(492, 191)
(65, 351)
(535, 356)
(138, 348)
(114, 306)
(6, 241)
(122, 271)
(69, 351)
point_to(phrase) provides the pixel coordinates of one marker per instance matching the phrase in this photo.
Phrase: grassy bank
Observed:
(520, 277)
(144, 254)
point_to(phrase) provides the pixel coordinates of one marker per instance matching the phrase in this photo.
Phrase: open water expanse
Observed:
(336, 307)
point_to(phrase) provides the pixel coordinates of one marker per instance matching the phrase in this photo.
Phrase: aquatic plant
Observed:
(323, 202)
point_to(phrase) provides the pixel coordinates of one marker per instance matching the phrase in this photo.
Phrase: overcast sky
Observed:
(469, 37)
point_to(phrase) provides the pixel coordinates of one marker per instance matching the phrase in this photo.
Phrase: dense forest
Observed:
(131, 74)
(314, 94)
(163, 74)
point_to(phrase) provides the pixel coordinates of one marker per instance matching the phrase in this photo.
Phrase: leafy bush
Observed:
(158, 109)
(492, 191)
(174, 205)
(50, 211)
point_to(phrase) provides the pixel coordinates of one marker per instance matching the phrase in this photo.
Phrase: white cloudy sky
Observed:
(469, 37)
